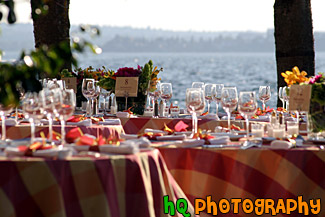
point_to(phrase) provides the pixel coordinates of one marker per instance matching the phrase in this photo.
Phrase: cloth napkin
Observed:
(110, 122)
(279, 144)
(171, 137)
(86, 122)
(219, 140)
(142, 142)
(148, 130)
(48, 153)
(188, 143)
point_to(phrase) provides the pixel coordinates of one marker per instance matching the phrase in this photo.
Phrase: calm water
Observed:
(246, 71)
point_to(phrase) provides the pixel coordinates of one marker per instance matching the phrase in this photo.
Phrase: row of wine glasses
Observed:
(284, 96)
(50, 103)
(91, 90)
(163, 91)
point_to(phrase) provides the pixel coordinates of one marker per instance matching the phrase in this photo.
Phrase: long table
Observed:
(123, 185)
(253, 173)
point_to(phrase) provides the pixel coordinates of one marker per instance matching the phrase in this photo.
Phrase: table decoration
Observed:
(147, 81)
(317, 101)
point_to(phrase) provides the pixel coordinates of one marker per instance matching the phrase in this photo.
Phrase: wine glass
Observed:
(209, 92)
(88, 89)
(68, 104)
(166, 92)
(281, 96)
(247, 106)
(105, 93)
(94, 98)
(229, 100)
(32, 110)
(49, 103)
(197, 84)
(217, 96)
(195, 103)
(285, 93)
(264, 94)
(21, 92)
(4, 110)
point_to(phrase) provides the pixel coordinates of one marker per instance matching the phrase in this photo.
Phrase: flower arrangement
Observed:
(317, 101)
(148, 79)
(147, 76)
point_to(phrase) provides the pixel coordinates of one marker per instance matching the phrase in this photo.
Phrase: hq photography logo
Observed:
(248, 206)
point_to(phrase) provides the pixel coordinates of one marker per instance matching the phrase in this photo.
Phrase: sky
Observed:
(178, 15)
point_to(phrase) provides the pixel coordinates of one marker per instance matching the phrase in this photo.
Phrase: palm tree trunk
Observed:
(53, 27)
(294, 39)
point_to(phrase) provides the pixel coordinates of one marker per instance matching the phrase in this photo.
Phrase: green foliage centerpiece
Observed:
(147, 80)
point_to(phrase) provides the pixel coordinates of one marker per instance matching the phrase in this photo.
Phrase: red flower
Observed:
(127, 72)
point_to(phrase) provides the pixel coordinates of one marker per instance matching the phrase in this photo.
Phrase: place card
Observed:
(71, 83)
(299, 98)
(126, 86)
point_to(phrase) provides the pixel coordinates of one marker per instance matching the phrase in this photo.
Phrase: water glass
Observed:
(32, 110)
(285, 93)
(195, 103)
(4, 110)
(264, 94)
(94, 99)
(88, 90)
(247, 106)
(68, 104)
(280, 94)
(166, 92)
(229, 101)
(209, 92)
(217, 96)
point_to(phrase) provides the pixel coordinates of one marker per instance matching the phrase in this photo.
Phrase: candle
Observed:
(279, 132)
(258, 130)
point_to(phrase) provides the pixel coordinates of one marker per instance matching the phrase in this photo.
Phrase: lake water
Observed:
(246, 71)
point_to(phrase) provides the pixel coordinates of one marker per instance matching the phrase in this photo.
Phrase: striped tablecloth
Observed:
(117, 186)
(23, 131)
(253, 173)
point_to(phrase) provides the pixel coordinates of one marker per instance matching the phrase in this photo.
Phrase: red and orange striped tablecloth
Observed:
(118, 186)
(23, 131)
(253, 173)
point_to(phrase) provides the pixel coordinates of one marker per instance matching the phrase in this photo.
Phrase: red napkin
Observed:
(181, 126)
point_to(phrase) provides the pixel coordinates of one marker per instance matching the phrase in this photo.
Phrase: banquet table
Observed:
(23, 131)
(252, 173)
(120, 185)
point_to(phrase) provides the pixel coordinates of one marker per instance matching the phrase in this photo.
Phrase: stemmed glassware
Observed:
(209, 92)
(195, 103)
(198, 84)
(285, 93)
(280, 94)
(154, 95)
(105, 93)
(94, 98)
(4, 110)
(68, 104)
(217, 96)
(166, 92)
(229, 101)
(50, 101)
(32, 110)
(264, 94)
(21, 92)
(247, 106)
(88, 90)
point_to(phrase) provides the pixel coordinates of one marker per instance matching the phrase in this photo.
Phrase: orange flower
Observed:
(294, 76)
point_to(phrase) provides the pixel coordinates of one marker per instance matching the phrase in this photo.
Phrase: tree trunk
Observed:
(294, 39)
(53, 27)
